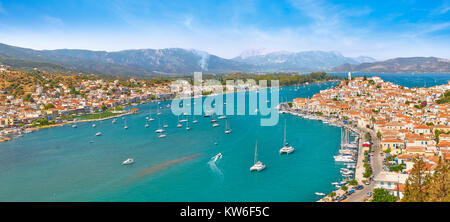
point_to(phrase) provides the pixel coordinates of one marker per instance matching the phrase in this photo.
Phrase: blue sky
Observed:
(381, 29)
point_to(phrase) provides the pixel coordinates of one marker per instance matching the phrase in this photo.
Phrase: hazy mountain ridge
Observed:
(399, 65)
(297, 61)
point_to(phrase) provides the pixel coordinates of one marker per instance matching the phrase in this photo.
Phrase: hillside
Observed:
(399, 65)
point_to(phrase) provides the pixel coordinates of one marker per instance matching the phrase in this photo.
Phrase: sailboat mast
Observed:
(256, 152)
(284, 142)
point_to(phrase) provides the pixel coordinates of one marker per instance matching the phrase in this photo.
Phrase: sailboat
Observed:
(258, 165)
(286, 148)
(114, 120)
(213, 120)
(125, 127)
(227, 130)
(194, 121)
(188, 127)
(159, 130)
(179, 124)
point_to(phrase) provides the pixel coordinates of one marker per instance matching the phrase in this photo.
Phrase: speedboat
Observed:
(162, 136)
(195, 121)
(319, 194)
(165, 126)
(128, 161)
(125, 127)
(98, 134)
(228, 131)
(219, 155)
(215, 125)
(151, 119)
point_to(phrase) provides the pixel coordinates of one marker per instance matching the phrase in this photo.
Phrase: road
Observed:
(376, 163)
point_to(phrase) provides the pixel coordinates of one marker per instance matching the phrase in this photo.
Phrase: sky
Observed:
(380, 29)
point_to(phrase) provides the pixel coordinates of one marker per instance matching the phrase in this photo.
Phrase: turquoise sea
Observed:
(60, 164)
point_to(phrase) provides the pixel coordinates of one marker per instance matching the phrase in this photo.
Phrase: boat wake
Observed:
(212, 164)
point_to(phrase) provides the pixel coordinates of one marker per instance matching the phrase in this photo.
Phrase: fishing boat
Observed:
(286, 148)
(128, 161)
(227, 130)
(257, 165)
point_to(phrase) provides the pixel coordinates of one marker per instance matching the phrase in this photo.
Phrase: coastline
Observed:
(356, 130)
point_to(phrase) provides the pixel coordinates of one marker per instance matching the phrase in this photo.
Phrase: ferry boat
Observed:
(258, 165)
(128, 161)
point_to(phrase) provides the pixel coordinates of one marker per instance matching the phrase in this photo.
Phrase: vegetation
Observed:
(383, 195)
(444, 98)
(98, 115)
(353, 182)
(424, 187)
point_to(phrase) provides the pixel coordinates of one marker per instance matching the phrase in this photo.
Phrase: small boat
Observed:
(183, 120)
(179, 125)
(74, 126)
(227, 130)
(219, 155)
(114, 121)
(93, 125)
(162, 136)
(98, 134)
(146, 125)
(151, 119)
(194, 121)
(125, 127)
(216, 143)
(165, 125)
(188, 127)
(159, 131)
(222, 117)
(258, 165)
(286, 148)
(319, 194)
(215, 125)
(128, 161)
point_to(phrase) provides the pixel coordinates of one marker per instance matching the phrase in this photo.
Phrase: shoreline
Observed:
(358, 131)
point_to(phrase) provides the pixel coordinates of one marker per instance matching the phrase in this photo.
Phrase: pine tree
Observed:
(415, 187)
(439, 186)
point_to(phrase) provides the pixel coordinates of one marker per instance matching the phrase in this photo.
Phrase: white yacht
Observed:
(227, 130)
(98, 134)
(258, 165)
(319, 194)
(128, 161)
(159, 130)
(215, 125)
(286, 148)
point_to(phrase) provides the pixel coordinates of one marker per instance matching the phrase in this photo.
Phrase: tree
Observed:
(379, 135)
(383, 195)
(439, 185)
(417, 182)
(344, 188)
(49, 106)
(353, 182)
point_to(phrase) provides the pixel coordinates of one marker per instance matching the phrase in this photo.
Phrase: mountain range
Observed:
(399, 65)
(178, 61)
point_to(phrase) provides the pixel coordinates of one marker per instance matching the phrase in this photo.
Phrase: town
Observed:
(398, 127)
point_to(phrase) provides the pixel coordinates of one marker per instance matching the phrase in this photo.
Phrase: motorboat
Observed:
(128, 161)
(98, 134)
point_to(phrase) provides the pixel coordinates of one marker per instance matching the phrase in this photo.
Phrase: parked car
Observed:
(369, 194)
(360, 187)
(351, 191)
(367, 182)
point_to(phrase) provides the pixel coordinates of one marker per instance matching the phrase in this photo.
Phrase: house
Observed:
(389, 181)
(394, 145)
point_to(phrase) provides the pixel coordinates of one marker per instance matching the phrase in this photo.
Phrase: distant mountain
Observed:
(296, 61)
(141, 62)
(399, 65)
